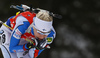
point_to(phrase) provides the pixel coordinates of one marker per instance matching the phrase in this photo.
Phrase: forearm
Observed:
(15, 39)
(14, 47)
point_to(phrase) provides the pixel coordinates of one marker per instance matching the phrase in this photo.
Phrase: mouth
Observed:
(39, 38)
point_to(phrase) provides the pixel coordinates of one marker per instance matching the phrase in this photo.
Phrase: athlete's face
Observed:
(38, 35)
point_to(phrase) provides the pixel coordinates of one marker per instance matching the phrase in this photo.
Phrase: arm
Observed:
(20, 28)
(50, 39)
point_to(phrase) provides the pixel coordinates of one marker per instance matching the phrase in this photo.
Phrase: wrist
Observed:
(25, 47)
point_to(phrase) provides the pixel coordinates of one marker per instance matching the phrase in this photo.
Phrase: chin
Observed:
(40, 38)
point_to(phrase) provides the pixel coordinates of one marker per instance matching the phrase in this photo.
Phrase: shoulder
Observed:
(20, 19)
(22, 23)
(27, 15)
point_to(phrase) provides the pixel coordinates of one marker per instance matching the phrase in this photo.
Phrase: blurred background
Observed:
(77, 32)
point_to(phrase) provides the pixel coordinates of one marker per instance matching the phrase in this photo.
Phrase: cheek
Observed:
(45, 36)
(41, 36)
(35, 33)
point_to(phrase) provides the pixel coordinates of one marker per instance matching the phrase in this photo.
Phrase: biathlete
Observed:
(36, 26)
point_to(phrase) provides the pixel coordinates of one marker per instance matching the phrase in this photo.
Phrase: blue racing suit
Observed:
(20, 27)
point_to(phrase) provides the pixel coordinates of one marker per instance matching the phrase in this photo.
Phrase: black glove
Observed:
(28, 46)
(41, 44)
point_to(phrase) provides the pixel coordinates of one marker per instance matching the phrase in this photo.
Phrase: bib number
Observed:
(2, 37)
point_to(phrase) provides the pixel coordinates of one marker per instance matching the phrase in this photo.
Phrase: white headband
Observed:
(42, 25)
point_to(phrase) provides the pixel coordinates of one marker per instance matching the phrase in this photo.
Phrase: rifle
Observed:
(35, 10)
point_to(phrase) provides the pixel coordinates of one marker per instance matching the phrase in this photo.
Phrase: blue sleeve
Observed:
(51, 37)
(51, 34)
(40, 51)
(15, 37)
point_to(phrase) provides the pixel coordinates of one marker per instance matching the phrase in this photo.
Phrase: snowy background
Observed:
(78, 32)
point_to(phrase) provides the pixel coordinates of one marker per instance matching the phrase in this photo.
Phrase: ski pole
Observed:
(5, 25)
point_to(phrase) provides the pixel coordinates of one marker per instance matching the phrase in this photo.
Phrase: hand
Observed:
(41, 44)
(28, 46)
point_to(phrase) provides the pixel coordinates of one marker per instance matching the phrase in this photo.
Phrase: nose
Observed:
(42, 36)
